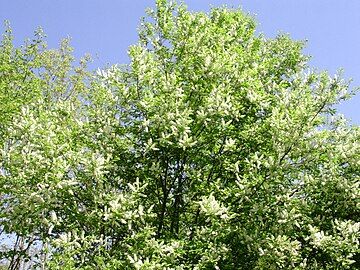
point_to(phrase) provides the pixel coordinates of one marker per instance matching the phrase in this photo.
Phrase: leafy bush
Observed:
(215, 148)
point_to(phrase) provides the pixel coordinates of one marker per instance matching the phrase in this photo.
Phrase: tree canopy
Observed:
(215, 148)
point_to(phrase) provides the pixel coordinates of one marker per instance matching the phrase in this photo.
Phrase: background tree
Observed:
(215, 148)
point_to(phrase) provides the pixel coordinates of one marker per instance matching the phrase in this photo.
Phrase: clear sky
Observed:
(105, 28)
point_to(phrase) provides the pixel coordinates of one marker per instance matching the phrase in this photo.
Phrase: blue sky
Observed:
(105, 28)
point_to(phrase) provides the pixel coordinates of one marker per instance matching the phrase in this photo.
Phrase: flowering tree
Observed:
(215, 148)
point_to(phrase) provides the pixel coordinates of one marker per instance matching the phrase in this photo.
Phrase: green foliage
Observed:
(215, 148)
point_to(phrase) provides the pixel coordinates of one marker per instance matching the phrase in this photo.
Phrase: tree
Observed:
(215, 148)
